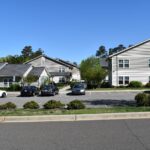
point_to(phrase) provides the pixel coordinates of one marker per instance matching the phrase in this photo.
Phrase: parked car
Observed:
(48, 90)
(78, 89)
(3, 93)
(29, 91)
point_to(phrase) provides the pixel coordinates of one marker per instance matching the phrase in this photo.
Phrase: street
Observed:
(86, 135)
(91, 99)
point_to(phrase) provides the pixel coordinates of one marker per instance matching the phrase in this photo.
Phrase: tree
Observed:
(27, 52)
(120, 47)
(92, 72)
(37, 53)
(101, 51)
(30, 79)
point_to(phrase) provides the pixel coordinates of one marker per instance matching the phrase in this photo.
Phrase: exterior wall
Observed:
(52, 66)
(16, 81)
(42, 78)
(76, 74)
(138, 70)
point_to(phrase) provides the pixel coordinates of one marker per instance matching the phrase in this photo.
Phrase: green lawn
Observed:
(115, 89)
(22, 112)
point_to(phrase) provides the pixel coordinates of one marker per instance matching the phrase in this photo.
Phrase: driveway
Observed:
(91, 99)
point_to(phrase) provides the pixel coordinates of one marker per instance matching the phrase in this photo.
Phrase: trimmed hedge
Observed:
(76, 104)
(14, 87)
(31, 105)
(147, 85)
(8, 105)
(135, 84)
(142, 99)
(105, 85)
(53, 104)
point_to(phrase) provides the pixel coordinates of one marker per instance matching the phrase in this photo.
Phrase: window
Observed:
(61, 80)
(10, 81)
(126, 63)
(123, 63)
(149, 79)
(120, 63)
(126, 80)
(5, 82)
(123, 80)
(149, 63)
(120, 79)
(61, 69)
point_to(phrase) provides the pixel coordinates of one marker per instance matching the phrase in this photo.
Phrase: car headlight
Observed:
(82, 90)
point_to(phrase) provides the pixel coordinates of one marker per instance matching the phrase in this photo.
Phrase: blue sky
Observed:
(71, 29)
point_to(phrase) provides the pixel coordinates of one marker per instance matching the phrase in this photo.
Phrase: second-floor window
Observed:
(61, 69)
(124, 63)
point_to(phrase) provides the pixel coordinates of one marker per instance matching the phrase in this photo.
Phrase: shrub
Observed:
(105, 85)
(14, 87)
(31, 105)
(53, 104)
(142, 99)
(147, 85)
(8, 105)
(72, 84)
(76, 104)
(135, 84)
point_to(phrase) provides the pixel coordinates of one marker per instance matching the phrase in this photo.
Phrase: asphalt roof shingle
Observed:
(36, 71)
(14, 69)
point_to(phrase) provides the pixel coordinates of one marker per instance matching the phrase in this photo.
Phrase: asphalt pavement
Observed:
(85, 135)
(92, 99)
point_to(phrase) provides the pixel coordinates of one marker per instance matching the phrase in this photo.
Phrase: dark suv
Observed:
(49, 90)
(29, 91)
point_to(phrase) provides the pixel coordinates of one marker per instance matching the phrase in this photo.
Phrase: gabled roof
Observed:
(130, 48)
(37, 71)
(2, 64)
(67, 62)
(14, 69)
(59, 61)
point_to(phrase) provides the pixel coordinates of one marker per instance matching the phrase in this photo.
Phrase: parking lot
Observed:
(91, 98)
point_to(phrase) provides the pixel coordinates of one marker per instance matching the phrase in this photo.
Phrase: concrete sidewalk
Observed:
(82, 117)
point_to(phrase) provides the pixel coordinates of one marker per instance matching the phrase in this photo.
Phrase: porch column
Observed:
(14, 78)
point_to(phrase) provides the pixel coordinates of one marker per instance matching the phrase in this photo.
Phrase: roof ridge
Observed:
(129, 48)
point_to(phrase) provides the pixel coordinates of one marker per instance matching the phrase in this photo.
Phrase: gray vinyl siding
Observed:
(50, 65)
(138, 64)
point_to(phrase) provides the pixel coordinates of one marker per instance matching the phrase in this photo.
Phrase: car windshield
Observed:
(29, 87)
(47, 87)
(78, 86)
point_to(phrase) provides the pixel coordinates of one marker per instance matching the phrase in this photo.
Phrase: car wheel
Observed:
(4, 95)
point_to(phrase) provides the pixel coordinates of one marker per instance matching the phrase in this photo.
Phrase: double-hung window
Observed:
(149, 63)
(126, 80)
(120, 63)
(123, 63)
(126, 63)
(123, 80)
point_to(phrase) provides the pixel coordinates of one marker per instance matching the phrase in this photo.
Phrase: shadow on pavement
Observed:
(110, 102)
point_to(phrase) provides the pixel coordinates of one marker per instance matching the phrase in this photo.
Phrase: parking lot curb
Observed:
(82, 117)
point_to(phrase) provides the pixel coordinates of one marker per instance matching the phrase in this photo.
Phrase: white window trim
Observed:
(123, 80)
(123, 64)
(148, 63)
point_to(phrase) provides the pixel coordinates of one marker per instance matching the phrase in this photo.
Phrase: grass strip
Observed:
(29, 112)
